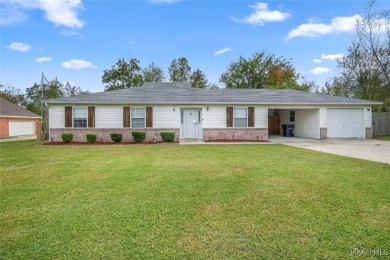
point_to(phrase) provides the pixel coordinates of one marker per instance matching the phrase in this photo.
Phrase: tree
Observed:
(123, 75)
(153, 74)
(13, 95)
(212, 86)
(179, 70)
(198, 79)
(71, 91)
(261, 70)
(34, 95)
(364, 72)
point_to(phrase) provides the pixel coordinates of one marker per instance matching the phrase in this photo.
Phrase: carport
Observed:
(305, 121)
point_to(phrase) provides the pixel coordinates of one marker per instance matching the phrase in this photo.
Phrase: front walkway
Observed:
(367, 149)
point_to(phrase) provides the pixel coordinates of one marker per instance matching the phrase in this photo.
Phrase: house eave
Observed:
(224, 103)
(26, 117)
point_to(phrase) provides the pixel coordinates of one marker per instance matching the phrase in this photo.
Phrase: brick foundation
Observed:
(152, 134)
(235, 134)
(323, 133)
(369, 133)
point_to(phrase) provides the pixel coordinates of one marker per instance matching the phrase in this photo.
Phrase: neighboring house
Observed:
(16, 121)
(208, 114)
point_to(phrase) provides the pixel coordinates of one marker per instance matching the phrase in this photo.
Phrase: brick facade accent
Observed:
(4, 129)
(235, 134)
(152, 134)
(323, 133)
(369, 133)
(4, 124)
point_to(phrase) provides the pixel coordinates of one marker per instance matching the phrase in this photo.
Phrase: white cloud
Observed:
(262, 15)
(163, 1)
(222, 51)
(315, 30)
(332, 56)
(59, 12)
(78, 64)
(319, 70)
(71, 33)
(11, 15)
(19, 46)
(43, 59)
(317, 60)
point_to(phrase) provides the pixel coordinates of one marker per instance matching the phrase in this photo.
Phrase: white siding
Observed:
(56, 116)
(261, 117)
(166, 117)
(214, 118)
(108, 116)
(367, 117)
(323, 113)
(307, 123)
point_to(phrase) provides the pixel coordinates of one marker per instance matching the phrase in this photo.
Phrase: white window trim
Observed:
(131, 118)
(73, 107)
(234, 118)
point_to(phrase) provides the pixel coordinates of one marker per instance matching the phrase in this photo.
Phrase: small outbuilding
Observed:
(17, 121)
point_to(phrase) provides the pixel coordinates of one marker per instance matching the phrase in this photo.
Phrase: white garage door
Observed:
(345, 123)
(21, 128)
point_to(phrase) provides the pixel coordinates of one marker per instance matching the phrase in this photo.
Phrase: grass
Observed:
(6, 137)
(383, 137)
(204, 201)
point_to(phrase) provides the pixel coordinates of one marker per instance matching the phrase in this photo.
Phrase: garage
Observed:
(345, 123)
(17, 128)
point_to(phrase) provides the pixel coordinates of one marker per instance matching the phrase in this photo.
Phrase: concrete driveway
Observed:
(18, 138)
(367, 149)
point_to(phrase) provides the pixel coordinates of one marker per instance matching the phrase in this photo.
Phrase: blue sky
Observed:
(77, 40)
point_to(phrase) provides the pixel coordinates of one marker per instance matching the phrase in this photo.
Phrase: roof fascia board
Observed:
(30, 117)
(370, 103)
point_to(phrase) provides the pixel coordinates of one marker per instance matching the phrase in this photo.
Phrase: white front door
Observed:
(190, 123)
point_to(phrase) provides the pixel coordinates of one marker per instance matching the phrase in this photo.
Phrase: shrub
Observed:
(139, 136)
(117, 138)
(168, 136)
(91, 138)
(67, 137)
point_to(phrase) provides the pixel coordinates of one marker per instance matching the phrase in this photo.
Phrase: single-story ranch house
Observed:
(208, 114)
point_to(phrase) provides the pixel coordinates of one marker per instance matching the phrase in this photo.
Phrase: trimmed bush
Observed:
(139, 136)
(168, 136)
(117, 138)
(67, 137)
(91, 138)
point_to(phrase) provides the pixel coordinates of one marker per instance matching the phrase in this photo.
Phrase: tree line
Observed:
(364, 72)
(130, 74)
(260, 70)
(31, 99)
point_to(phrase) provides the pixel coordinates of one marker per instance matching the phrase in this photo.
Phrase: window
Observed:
(138, 117)
(292, 116)
(80, 117)
(240, 117)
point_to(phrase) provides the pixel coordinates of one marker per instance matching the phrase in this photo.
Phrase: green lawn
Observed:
(193, 201)
(383, 137)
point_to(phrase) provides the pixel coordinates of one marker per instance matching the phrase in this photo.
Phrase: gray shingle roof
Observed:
(181, 93)
(10, 109)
